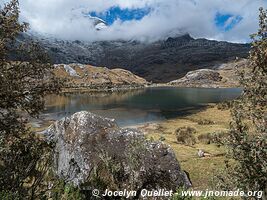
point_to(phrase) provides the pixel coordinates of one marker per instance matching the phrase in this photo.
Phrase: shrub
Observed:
(214, 137)
(185, 135)
(205, 138)
(24, 158)
(205, 122)
(224, 105)
(162, 138)
(65, 191)
(247, 140)
(7, 195)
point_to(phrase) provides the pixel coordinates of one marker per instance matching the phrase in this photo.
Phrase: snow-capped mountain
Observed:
(82, 15)
(98, 23)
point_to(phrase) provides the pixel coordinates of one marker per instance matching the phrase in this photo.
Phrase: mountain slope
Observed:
(224, 75)
(86, 76)
(160, 61)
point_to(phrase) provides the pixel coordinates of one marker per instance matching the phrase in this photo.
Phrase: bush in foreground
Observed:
(247, 140)
(185, 135)
(25, 80)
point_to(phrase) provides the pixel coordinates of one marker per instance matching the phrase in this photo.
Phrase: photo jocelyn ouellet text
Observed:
(169, 193)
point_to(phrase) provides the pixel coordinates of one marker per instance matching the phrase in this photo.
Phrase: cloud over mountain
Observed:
(143, 19)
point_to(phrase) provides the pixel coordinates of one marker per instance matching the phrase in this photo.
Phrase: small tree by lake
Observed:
(25, 78)
(247, 141)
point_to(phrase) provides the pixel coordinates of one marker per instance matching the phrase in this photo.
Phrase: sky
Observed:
(145, 20)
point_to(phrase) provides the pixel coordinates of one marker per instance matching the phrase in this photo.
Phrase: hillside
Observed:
(224, 75)
(90, 77)
(160, 61)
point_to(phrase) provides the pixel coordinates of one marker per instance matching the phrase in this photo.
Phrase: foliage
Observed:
(107, 173)
(162, 138)
(247, 141)
(185, 135)
(205, 122)
(25, 78)
(224, 105)
(206, 138)
(214, 137)
(65, 191)
(7, 195)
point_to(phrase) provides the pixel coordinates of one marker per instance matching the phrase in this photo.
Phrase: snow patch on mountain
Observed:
(98, 23)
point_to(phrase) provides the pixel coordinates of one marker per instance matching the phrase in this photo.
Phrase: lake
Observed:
(137, 106)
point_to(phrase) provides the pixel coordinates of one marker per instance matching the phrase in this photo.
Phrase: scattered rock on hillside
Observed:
(85, 143)
(201, 153)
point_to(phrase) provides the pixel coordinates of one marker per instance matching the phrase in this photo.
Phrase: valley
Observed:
(141, 99)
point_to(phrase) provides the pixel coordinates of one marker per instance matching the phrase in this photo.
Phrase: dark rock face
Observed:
(160, 61)
(85, 142)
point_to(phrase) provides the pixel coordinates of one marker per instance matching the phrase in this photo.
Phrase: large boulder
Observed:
(90, 147)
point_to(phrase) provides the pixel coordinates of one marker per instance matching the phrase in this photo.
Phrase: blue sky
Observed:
(226, 22)
(117, 13)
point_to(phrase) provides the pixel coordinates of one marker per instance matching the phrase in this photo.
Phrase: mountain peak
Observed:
(185, 37)
(98, 23)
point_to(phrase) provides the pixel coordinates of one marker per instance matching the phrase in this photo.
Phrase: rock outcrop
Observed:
(199, 78)
(90, 77)
(87, 145)
(224, 75)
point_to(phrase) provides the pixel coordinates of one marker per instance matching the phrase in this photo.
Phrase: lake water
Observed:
(138, 106)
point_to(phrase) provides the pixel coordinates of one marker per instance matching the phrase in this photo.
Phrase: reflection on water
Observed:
(137, 106)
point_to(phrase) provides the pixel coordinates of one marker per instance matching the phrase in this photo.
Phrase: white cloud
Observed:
(64, 18)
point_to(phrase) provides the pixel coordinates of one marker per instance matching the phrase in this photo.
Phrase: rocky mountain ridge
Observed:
(160, 61)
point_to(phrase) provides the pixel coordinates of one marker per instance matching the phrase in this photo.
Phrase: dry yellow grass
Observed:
(87, 76)
(201, 170)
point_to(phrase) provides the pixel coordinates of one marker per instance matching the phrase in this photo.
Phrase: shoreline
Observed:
(123, 88)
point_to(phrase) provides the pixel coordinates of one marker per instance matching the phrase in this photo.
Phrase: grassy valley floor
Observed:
(201, 170)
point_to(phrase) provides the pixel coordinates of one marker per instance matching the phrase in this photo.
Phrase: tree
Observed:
(247, 141)
(25, 78)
